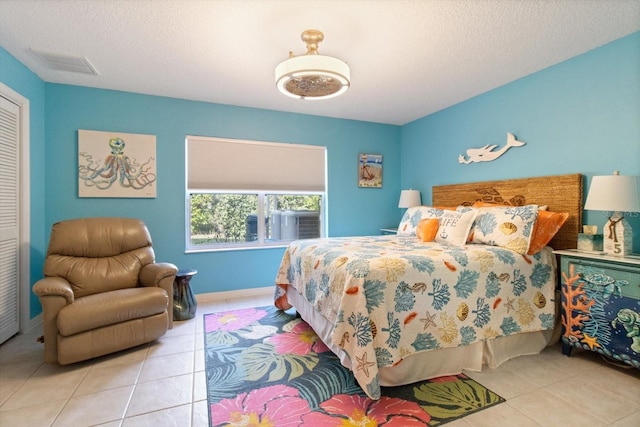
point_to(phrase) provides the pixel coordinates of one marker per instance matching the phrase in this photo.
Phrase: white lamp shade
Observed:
(617, 193)
(409, 198)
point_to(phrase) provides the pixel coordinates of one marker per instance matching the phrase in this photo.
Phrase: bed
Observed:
(397, 309)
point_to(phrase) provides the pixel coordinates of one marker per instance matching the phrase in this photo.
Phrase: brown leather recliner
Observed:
(102, 291)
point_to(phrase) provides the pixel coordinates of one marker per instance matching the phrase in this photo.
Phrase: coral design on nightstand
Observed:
(576, 306)
(601, 306)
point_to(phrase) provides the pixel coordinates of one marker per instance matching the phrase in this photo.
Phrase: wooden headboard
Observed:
(561, 193)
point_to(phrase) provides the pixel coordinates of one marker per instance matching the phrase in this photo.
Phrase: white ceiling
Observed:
(408, 58)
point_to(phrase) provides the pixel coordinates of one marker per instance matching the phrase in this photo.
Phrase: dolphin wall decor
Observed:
(486, 153)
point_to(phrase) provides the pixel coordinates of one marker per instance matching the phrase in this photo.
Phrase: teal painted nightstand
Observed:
(601, 304)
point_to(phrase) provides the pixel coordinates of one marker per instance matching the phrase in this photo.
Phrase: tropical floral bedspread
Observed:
(390, 296)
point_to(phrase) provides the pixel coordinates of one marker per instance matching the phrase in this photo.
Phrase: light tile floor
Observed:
(163, 384)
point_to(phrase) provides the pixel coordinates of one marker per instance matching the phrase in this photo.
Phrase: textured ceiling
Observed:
(408, 58)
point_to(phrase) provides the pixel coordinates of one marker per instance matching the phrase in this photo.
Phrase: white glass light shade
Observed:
(617, 193)
(409, 198)
(312, 77)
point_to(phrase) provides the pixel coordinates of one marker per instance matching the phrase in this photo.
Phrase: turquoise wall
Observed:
(69, 108)
(580, 116)
(18, 77)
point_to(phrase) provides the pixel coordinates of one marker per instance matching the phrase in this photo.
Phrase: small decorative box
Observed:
(589, 242)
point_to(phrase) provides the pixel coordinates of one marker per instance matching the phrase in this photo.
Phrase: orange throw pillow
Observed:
(481, 204)
(427, 229)
(546, 227)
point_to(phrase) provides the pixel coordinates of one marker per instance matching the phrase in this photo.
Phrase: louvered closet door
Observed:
(9, 186)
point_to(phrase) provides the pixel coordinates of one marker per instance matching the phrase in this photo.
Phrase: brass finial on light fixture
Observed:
(312, 76)
(312, 38)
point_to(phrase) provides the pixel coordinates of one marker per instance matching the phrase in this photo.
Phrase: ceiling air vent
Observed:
(73, 64)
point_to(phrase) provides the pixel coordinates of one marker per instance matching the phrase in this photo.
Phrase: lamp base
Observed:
(617, 236)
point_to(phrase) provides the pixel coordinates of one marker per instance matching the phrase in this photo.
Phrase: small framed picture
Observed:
(370, 170)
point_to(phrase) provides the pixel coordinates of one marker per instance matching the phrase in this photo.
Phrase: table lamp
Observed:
(617, 193)
(409, 198)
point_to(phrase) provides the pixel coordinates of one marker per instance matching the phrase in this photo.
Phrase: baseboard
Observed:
(34, 323)
(240, 293)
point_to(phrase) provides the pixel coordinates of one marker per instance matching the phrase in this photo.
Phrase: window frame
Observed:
(261, 242)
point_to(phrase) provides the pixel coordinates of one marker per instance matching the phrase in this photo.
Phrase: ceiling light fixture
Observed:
(312, 76)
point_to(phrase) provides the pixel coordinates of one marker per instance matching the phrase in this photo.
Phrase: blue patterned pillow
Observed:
(412, 217)
(509, 227)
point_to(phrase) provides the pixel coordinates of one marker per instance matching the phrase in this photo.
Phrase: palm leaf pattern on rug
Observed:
(453, 399)
(268, 367)
(447, 398)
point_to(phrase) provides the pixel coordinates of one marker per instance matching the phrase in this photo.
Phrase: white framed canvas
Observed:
(116, 164)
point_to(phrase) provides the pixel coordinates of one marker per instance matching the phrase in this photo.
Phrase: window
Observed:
(247, 194)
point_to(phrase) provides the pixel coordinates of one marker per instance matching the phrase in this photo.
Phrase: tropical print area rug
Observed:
(268, 368)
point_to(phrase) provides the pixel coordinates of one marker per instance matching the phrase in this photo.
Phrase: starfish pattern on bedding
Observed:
(428, 321)
(363, 365)
(509, 304)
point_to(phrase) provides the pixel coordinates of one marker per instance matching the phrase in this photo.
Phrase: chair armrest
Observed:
(154, 274)
(54, 287)
(162, 275)
(55, 293)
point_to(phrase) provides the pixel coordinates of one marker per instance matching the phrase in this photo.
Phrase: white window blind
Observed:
(231, 164)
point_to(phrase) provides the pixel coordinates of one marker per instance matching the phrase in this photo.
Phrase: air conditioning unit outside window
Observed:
(294, 225)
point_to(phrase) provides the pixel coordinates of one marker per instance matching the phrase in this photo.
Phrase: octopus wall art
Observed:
(116, 165)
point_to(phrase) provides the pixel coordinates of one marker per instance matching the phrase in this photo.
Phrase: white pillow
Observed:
(454, 227)
(412, 217)
(509, 227)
